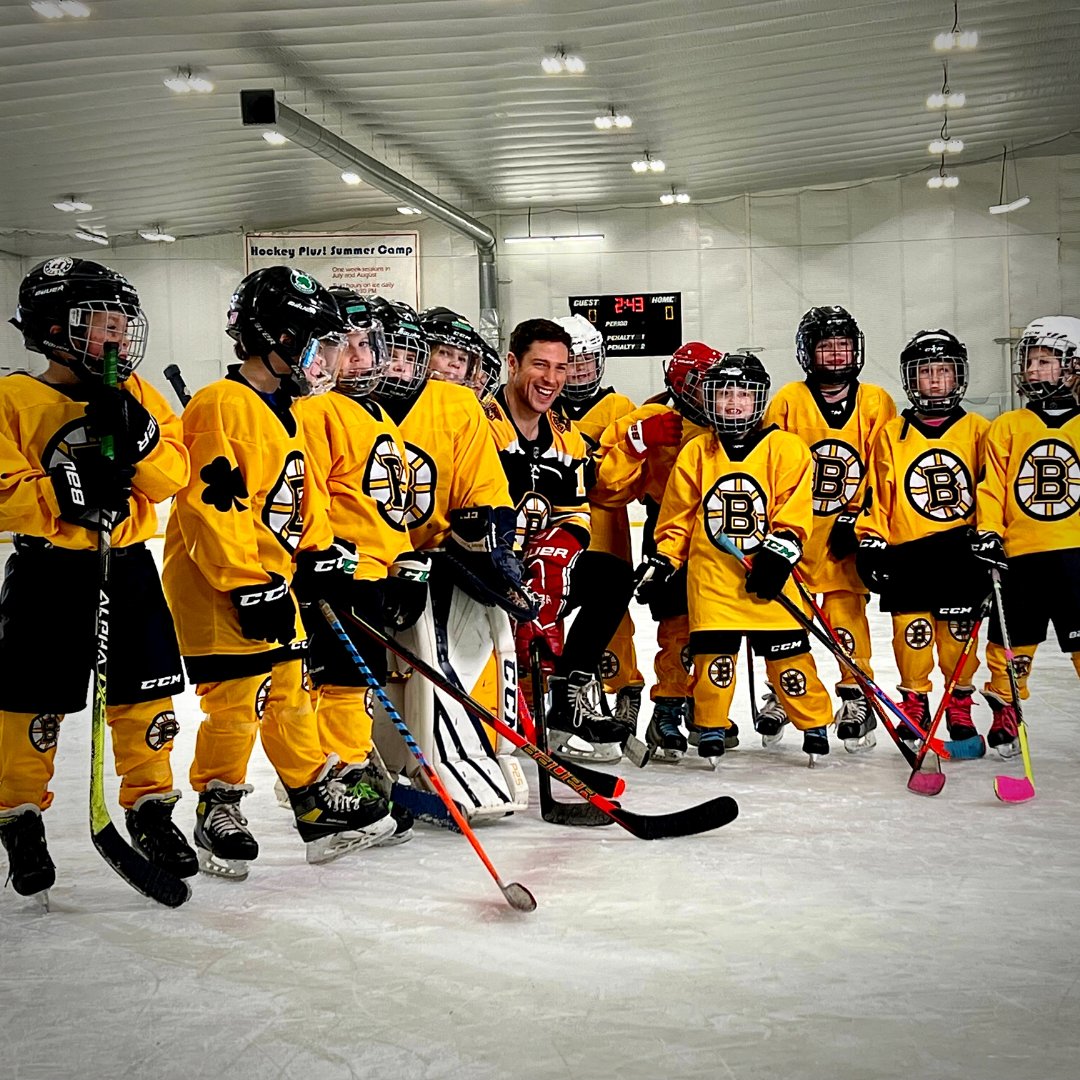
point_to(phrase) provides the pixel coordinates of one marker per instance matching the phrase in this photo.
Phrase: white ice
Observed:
(841, 928)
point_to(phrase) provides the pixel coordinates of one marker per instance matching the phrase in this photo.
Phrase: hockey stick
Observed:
(517, 896)
(611, 787)
(1008, 788)
(176, 381)
(750, 684)
(927, 783)
(694, 819)
(130, 864)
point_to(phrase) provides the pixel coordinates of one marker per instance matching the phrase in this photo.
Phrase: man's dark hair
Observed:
(525, 333)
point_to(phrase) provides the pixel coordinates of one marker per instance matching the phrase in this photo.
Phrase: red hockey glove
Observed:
(549, 559)
(661, 429)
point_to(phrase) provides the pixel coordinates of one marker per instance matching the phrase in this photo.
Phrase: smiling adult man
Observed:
(549, 471)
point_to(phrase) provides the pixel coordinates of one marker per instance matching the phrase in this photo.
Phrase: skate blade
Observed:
(573, 748)
(397, 838)
(814, 760)
(328, 848)
(282, 795)
(1008, 750)
(666, 757)
(769, 741)
(636, 752)
(229, 869)
(714, 763)
(861, 744)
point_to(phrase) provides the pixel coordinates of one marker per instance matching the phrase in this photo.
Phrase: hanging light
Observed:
(275, 138)
(1001, 206)
(558, 62)
(92, 237)
(612, 119)
(946, 98)
(942, 179)
(964, 40)
(185, 81)
(351, 178)
(71, 205)
(648, 164)
(156, 236)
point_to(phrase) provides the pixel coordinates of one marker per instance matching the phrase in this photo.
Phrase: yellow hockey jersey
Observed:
(241, 516)
(355, 457)
(549, 477)
(451, 461)
(922, 478)
(42, 425)
(840, 437)
(610, 526)
(770, 489)
(1031, 489)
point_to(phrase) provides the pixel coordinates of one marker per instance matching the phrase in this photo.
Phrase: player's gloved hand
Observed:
(405, 590)
(660, 429)
(873, 562)
(842, 540)
(321, 575)
(772, 565)
(551, 639)
(989, 547)
(481, 547)
(266, 611)
(549, 558)
(650, 578)
(92, 491)
(114, 411)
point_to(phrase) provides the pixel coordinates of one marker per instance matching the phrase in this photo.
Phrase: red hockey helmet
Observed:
(693, 356)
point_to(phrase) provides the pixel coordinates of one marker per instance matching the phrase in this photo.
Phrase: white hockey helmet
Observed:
(587, 357)
(1052, 334)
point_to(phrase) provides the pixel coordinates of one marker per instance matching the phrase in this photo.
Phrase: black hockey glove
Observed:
(988, 547)
(321, 575)
(266, 612)
(481, 550)
(772, 565)
(873, 561)
(405, 590)
(651, 577)
(842, 541)
(113, 411)
(91, 489)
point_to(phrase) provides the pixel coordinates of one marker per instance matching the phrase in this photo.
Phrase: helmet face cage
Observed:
(824, 324)
(408, 354)
(315, 370)
(1047, 358)
(733, 397)
(489, 372)
(94, 323)
(588, 356)
(365, 359)
(693, 356)
(926, 364)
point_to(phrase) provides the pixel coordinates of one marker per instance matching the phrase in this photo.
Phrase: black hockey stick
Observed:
(695, 819)
(176, 381)
(130, 864)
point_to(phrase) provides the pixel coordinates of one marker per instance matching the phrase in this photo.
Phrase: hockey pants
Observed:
(846, 612)
(672, 663)
(914, 636)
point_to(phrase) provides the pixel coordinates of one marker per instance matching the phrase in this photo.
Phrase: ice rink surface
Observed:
(842, 928)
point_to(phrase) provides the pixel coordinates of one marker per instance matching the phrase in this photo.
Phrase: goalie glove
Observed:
(772, 565)
(481, 550)
(650, 578)
(873, 563)
(405, 590)
(661, 429)
(266, 612)
(842, 540)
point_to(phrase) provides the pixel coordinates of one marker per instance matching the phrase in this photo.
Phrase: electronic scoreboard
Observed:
(634, 324)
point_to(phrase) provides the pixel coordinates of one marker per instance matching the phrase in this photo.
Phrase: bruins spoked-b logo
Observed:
(1047, 485)
(418, 500)
(847, 639)
(262, 695)
(736, 506)
(793, 682)
(44, 731)
(960, 629)
(609, 665)
(384, 481)
(162, 730)
(721, 671)
(939, 486)
(918, 634)
(687, 659)
(1022, 663)
(838, 471)
(281, 513)
(533, 514)
(369, 701)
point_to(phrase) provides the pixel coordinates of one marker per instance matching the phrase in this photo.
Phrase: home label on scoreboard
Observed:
(634, 324)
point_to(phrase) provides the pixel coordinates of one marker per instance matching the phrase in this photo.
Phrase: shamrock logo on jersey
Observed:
(225, 485)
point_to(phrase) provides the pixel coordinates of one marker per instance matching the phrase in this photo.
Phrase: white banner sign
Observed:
(384, 263)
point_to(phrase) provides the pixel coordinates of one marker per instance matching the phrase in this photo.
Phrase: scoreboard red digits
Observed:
(634, 324)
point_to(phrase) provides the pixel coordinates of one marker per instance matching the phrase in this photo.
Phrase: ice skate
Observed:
(771, 718)
(153, 833)
(333, 821)
(30, 868)
(1004, 734)
(711, 744)
(731, 738)
(281, 795)
(960, 725)
(368, 778)
(577, 727)
(223, 843)
(916, 707)
(855, 720)
(815, 743)
(665, 736)
(627, 708)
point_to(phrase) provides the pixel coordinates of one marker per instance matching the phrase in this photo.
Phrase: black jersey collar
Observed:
(577, 409)
(835, 414)
(931, 431)
(1058, 421)
(544, 438)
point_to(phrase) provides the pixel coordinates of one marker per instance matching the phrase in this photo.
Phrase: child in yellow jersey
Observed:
(229, 548)
(593, 409)
(839, 418)
(753, 484)
(1029, 513)
(914, 533)
(57, 492)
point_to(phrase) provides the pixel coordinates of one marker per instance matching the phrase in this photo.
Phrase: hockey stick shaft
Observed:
(750, 687)
(517, 896)
(1007, 789)
(176, 381)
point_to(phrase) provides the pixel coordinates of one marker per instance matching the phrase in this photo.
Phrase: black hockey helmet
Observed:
(820, 324)
(285, 310)
(409, 350)
(727, 414)
(937, 351)
(445, 327)
(365, 358)
(489, 371)
(68, 308)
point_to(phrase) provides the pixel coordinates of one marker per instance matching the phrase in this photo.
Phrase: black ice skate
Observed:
(153, 833)
(369, 777)
(627, 708)
(711, 744)
(223, 842)
(731, 733)
(771, 718)
(577, 727)
(332, 821)
(30, 869)
(855, 720)
(665, 735)
(815, 743)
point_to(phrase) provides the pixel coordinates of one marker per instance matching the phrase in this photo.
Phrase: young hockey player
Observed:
(454, 344)
(839, 418)
(57, 492)
(1027, 517)
(593, 408)
(637, 453)
(229, 548)
(752, 483)
(914, 533)
(549, 471)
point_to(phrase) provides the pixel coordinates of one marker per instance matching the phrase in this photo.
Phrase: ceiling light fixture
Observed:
(156, 236)
(185, 81)
(612, 119)
(92, 237)
(956, 38)
(557, 62)
(409, 211)
(1001, 206)
(275, 138)
(946, 98)
(648, 164)
(669, 198)
(71, 205)
(942, 179)
(557, 238)
(944, 143)
(350, 178)
(57, 9)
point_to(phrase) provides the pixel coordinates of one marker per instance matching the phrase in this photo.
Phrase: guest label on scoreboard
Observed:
(634, 324)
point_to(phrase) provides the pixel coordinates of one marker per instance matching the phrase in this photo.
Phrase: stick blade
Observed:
(926, 783)
(1013, 789)
(138, 871)
(704, 817)
(575, 815)
(518, 897)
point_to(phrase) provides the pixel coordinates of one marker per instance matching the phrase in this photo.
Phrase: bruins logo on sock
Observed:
(305, 675)
(960, 629)
(369, 701)
(686, 659)
(609, 665)
(162, 730)
(793, 682)
(261, 697)
(44, 731)
(838, 470)
(721, 671)
(1022, 664)
(847, 639)
(737, 507)
(918, 634)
